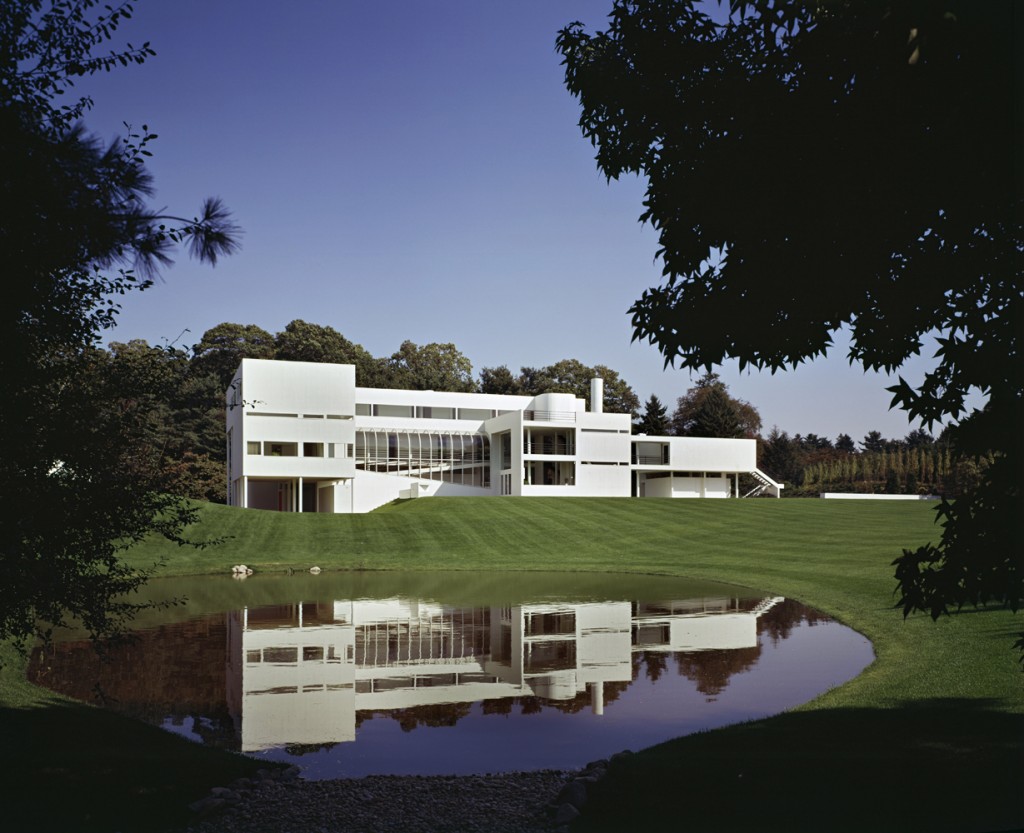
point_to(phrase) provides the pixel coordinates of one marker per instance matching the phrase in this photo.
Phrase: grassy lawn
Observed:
(929, 737)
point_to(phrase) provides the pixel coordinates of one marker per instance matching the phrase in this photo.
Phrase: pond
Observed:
(365, 673)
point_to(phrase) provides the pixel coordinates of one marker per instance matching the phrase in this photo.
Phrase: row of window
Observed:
(289, 654)
(426, 412)
(274, 448)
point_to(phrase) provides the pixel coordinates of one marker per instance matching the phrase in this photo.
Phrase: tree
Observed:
(498, 380)
(572, 376)
(303, 342)
(779, 457)
(919, 438)
(707, 406)
(870, 144)
(874, 442)
(79, 480)
(654, 422)
(222, 348)
(184, 410)
(844, 443)
(430, 367)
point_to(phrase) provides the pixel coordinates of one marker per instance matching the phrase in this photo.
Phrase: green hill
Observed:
(929, 737)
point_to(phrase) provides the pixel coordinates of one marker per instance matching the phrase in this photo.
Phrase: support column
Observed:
(244, 503)
(298, 498)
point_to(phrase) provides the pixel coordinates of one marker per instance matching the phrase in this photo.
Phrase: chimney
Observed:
(597, 395)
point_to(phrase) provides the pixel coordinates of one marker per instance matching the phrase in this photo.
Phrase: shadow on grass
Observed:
(942, 765)
(69, 767)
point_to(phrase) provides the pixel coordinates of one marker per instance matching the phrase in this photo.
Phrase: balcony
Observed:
(549, 416)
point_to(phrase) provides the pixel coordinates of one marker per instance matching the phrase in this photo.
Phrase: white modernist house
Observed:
(302, 437)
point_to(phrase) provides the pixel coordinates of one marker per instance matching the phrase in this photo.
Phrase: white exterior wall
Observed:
(712, 454)
(290, 402)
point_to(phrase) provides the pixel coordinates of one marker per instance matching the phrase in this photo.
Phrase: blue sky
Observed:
(411, 170)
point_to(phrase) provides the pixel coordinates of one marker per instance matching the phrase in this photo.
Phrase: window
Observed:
(363, 410)
(475, 413)
(393, 410)
(431, 412)
(274, 449)
(253, 448)
(312, 449)
(281, 655)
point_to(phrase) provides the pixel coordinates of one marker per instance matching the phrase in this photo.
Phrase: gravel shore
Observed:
(522, 802)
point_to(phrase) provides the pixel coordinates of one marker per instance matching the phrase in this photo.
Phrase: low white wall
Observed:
(858, 496)
(601, 481)
(372, 489)
(688, 487)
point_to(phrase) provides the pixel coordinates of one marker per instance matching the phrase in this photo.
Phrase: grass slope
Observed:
(927, 738)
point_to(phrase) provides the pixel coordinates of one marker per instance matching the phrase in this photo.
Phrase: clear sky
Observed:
(413, 170)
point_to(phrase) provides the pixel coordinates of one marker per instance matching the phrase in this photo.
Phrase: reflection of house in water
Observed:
(299, 673)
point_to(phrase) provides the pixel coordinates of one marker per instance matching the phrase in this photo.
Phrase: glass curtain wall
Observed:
(463, 459)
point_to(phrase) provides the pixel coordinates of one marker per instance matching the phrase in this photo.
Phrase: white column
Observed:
(298, 497)
(245, 492)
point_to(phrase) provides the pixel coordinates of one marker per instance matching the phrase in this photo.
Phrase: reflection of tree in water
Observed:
(502, 706)
(654, 662)
(448, 714)
(173, 673)
(712, 670)
(778, 623)
(439, 714)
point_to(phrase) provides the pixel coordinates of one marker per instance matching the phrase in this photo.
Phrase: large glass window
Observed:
(446, 457)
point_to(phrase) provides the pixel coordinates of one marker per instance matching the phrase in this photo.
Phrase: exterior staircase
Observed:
(764, 484)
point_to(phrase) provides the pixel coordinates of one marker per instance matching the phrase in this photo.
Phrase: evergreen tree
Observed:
(654, 422)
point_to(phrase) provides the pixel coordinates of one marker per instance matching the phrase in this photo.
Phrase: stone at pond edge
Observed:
(207, 806)
(575, 793)
(565, 814)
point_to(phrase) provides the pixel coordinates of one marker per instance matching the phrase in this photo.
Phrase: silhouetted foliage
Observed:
(80, 482)
(869, 145)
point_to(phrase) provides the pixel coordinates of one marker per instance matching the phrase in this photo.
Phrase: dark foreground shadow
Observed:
(71, 768)
(953, 766)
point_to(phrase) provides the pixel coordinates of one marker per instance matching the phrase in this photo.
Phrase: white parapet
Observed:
(858, 496)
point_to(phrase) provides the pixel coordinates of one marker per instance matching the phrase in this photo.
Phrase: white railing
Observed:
(764, 484)
(549, 416)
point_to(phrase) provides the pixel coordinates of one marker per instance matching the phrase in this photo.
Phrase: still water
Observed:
(399, 673)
